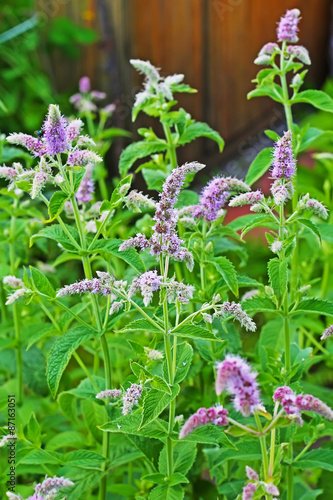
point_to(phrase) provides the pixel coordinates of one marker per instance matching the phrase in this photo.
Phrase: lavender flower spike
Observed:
(215, 415)
(54, 129)
(287, 398)
(87, 186)
(139, 241)
(51, 486)
(251, 474)
(84, 84)
(131, 398)
(246, 199)
(236, 310)
(327, 333)
(13, 282)
(284, 164)
(148, 283)
(109, 394)
(234, 374)
(307, 402)
(83, 157)
(249, 491)
(288, 26)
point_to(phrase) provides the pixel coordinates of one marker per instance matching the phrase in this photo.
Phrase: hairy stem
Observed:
(262, 440)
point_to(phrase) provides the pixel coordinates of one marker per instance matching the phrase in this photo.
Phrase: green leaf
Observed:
(272, 90)
(154, 403)
(154, 178)
(278, 277)
(318, 98)
(160, 384)
(41, 283)
(262, 221)
(184, 357)
(321, 458)
(310, 136)
(326, 231)
(118, 192)
(139, 150)
(227, 270)
(34, 434)
(259, 166)
(85, 459)
(193, 332)
(314, 305)
(184, 454)
(167, 492)
(141, 325)
(209, 434)
(258, 304)
(111, 247)
(94, 415)
(61, 353)
(200, 129)
(56, 233)
(56, 205)
(157, 429)
(312, 226)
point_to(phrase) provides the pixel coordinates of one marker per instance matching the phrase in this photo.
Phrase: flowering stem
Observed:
(19, 373)
(262, 440)
(315, 342)
(168, 353)
(272, 450)
(305, 449)
(104, 344)
(241, 426)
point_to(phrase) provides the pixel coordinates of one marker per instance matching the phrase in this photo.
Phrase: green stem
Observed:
(272, 449)
(171, 146)
(85, 369)
(18, 353)
(315, 342)
(305, 449)
(262, 440)
(241, 426)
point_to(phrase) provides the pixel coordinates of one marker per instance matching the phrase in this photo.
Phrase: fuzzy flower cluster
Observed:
(84, 100)
(246, 199)
(13, 282)
(214, 196)
(104, 285)
(155, 86)
(250, 488)
(288, 26)
(136, 201)
(47, 490)
(109, 394)
(235, 376)
(87, 186)
(300, 53)
(165, 239)
(153, 354)
(313, 205)
(236, 310)
(294, 404)
(58, 136)
(131, 398)
(147, 283)
(327, 333)
(216, 415)
(283, 169)
(17, 283)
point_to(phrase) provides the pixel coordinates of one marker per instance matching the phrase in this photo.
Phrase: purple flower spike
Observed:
(307, 402)
(249, 491)
(216, 415)
(288, 26)
(148, 283)
(131, 398)
(87, 187)
(284, 164)
(32, 144)
(54, 129)
(234, 375)
(84, 84)
(83, 157)
(327, 333)
(287, 398)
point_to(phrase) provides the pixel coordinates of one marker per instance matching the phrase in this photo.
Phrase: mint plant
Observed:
(143, 326)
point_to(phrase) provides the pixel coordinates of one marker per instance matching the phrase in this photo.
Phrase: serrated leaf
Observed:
(130, 256)
(193, 332)
(262, 221)
(154, 403)
(141, 325)
(314, 305)
(317, 98)
(278, 277)
(157, 429)
(41, 283)
(259, 166)
(85, 459)
(61, 353)
(56, 205)
(227, 270)
(139, 150)
(167, 492)
(184, 357)
(322, 459)
(210, 434)
(33, 431)
(261, 304)
(95, 415)
(56, 233)
(184, 454)
(312, 226)
(200, 129)
(160, 384)
(118, 192)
